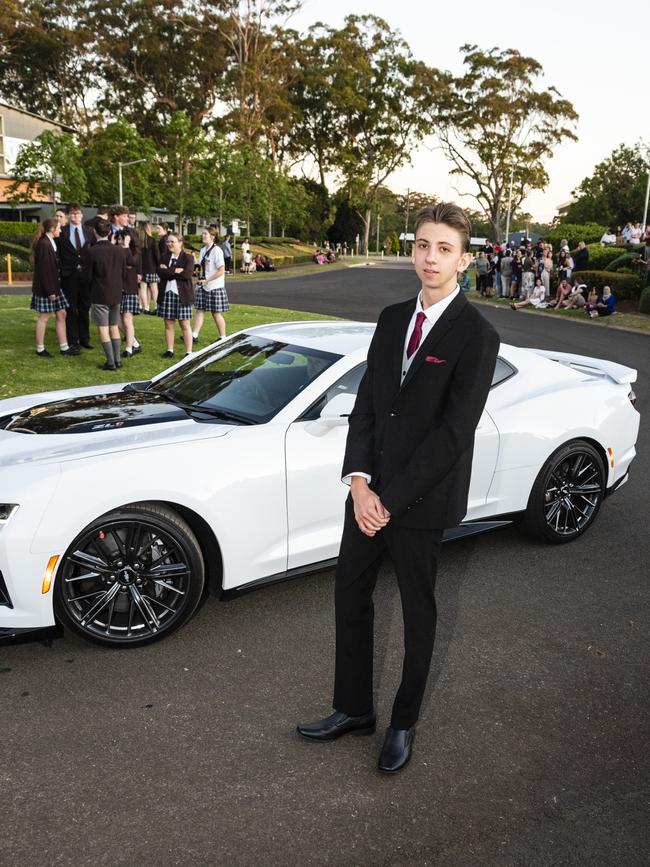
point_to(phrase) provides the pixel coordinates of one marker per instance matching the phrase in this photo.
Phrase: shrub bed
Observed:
(622, 285)
(625, 261)
(11, 230)
(644, 301)
(590, 233)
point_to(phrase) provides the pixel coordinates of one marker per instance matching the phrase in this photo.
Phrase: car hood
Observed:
(79, 426)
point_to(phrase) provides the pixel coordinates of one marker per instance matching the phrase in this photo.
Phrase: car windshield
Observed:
(248, 376)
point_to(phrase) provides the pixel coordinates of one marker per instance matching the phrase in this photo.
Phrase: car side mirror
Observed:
(337, 410)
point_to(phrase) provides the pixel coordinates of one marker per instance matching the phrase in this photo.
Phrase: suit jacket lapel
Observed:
(442, 327)
(401, 325)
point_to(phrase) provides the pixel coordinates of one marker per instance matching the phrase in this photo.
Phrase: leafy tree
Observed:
(50, 165)
(45, 66)
(347, 223)
(159, 57)
(363, 106)
(496, 122)
(615, 192)
(120, 142)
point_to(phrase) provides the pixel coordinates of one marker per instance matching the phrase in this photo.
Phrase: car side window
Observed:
(502, 371)
(348, 383)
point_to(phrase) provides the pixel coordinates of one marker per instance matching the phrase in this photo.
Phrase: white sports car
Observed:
(122, 504)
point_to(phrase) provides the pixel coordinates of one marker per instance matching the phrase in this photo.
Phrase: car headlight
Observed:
(7, 511)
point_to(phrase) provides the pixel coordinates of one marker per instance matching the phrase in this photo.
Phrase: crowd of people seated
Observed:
(531, 274)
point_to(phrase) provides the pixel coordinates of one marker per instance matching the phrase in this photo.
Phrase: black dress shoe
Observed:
(137, 349)
(44, 353)
(338, 724)
(396, 750)
(168, 353)
(87, 345)
(71, 350)
(106, 366)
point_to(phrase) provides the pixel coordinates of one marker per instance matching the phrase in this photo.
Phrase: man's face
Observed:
(438, 255)
(61, 216)
(75, 217)
(581, 245)
(121, 220)
(131, 220)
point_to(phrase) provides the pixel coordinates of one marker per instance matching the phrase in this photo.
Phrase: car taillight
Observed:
(632, 397)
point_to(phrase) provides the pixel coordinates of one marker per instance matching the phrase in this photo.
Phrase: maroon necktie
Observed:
(416, 335)
(76, 239)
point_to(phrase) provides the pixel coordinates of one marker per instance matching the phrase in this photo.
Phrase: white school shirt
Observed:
(432, 315)
(172, 285)
(213, 261)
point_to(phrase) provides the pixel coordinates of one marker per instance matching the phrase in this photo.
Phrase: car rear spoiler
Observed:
(596, 367)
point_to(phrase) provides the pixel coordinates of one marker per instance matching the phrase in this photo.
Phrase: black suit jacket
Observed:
(416, 439)
(69, 258)
(105, 270)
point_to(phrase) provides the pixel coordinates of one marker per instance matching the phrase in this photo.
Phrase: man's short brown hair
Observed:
(448, 214)
(117, 211)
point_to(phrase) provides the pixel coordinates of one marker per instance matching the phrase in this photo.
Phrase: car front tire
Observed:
(567, 493)
(131, 577)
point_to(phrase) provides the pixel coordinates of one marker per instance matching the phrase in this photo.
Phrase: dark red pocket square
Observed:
(433, 360)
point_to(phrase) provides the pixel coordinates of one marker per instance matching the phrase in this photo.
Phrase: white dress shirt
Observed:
(432, 315)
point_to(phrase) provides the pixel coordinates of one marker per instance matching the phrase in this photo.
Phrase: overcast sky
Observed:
(595, 54)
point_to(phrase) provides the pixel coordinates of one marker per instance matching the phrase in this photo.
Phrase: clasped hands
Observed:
(369, 512)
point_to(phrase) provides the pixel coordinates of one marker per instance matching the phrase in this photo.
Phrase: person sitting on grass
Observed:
(576, 298)
(537, 298)
(561, 293)
(47, 295)
(604, 304)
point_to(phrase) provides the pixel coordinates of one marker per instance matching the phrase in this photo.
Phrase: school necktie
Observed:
(77, 239)
(416, 335)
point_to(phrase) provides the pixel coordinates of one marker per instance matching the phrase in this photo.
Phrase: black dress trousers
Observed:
(415, 556)
(77, 293)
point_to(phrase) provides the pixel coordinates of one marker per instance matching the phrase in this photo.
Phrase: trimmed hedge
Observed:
(590, 233)
(17, 232)
(622, 285)
(644, 301)
(600, 257)
(621, 262)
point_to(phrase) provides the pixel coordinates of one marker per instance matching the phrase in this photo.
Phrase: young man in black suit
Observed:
(71, 243)
(408, 461)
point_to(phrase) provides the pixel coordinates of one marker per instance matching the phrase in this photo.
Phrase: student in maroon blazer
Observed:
(176, 294)
(130, 304)
(408, 461)
(105, 270)
(47, 295)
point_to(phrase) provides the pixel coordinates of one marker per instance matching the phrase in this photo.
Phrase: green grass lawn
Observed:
(22, 372)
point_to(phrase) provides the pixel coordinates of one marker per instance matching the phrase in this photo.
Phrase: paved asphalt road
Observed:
(532, 747)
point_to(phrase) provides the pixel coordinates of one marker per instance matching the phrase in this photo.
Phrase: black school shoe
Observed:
(169, 353)
(71, 350)
(44, 354)
(396, 750)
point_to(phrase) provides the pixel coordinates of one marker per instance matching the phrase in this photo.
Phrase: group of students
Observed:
(108, 271)
(568, 296)
(512, 273)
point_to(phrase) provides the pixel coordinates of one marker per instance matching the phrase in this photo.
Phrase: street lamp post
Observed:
(512, 172)
(645, 208)
(120, 166)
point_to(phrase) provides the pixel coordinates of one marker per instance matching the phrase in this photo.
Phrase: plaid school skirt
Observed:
(44, 305)
(170, 307)
(215, 301)
(151, 278)
(130, 303)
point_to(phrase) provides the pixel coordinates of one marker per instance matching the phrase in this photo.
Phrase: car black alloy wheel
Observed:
(131, 577)
(567, 493)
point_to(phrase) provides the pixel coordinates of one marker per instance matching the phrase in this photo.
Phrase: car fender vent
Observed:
(4, 594)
